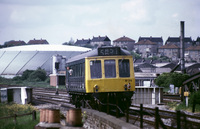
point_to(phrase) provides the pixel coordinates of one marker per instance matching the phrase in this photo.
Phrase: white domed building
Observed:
(15, 60)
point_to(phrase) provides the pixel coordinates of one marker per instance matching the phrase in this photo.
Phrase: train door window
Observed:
(124, 68)
(95, 69)
(110, 68)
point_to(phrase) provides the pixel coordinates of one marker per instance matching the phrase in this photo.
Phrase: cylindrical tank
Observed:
(47, 115)
(54, 116)
(42, 115)
(74, 118)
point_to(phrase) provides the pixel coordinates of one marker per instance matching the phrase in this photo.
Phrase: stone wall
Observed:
(99, 120)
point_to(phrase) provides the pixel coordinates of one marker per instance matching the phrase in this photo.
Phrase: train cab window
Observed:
(124, 68)
(110, 69)
(95, 69)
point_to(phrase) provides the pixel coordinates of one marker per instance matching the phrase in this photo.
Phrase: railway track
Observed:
(168, 117)
(171, 98)
(49, 96)
(63, 99)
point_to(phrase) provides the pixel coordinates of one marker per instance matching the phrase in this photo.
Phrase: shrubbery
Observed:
(32, 75)
(165, 79)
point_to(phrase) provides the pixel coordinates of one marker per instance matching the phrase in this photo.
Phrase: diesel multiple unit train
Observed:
(103, 78)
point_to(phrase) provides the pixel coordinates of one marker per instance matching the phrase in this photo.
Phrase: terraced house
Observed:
(157, 40)
(170, 50)
(124, 42)
(100, 41)
(146, 48)
(176, 41)
(193, 54)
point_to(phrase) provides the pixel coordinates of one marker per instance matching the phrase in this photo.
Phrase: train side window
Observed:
(124, 68)
(110, 68)
(95, 69)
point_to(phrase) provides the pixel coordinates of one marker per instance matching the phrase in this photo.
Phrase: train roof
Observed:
(101, 51)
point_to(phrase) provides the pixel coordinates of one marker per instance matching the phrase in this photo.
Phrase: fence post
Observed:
(15, 118)
(156, 118)
(34, 115)
(178, 118)
(141, 115)
(193, 106)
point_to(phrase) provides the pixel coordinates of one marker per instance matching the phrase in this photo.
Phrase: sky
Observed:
(58, 21)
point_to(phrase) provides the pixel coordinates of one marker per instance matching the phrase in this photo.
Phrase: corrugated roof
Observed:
(45, 47)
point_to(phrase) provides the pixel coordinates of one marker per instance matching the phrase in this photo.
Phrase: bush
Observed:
(196, 96)
(26, 74)
(17, 78)
(165, 79)
(38, 75)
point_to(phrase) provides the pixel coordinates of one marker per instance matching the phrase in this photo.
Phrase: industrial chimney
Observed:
(182, 45)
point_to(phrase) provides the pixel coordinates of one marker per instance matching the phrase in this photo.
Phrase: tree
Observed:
(38, 75)
(165, 79)
(135, 55)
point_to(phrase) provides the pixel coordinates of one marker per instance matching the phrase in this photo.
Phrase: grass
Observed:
(182, 106)
(24, 122)
(42, 84)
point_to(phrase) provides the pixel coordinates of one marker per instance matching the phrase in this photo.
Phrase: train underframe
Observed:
(108, 102)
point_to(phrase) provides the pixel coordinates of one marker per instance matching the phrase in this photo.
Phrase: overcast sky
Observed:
(58, 21)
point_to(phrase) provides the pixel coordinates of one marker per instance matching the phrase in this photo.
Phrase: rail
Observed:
(136, 113)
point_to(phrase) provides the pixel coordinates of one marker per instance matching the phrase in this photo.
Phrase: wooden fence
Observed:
(179, 118)
(20, 115)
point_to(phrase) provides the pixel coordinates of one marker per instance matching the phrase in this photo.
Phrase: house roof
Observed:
(193, 69)
(99, 39)
(152, 39)
(193, 48)
(169, 46)
(15, 43)
(124, 39)
(82, 41)
(177, 39)
(198, 39)
(170, 65)
(40, 41)
(145, 42)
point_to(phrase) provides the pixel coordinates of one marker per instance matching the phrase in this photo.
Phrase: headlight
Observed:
(96, 88)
